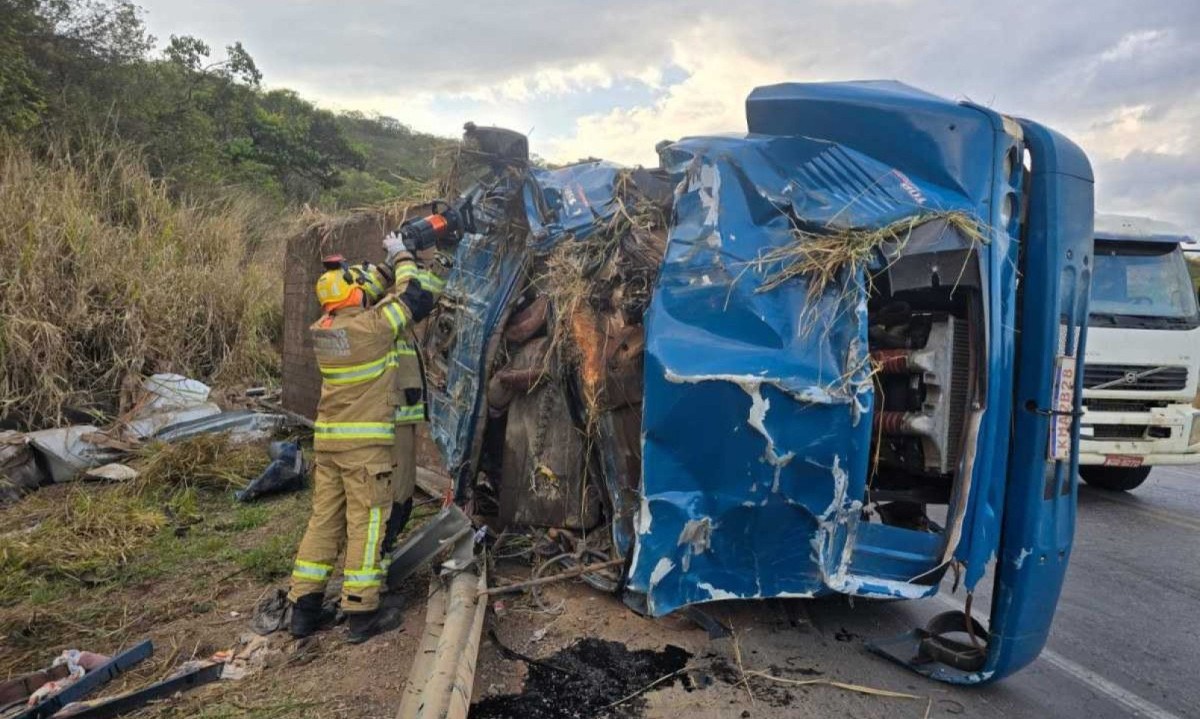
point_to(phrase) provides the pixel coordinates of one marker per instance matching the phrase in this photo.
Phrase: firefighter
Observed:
(410, 379)
(355, 440)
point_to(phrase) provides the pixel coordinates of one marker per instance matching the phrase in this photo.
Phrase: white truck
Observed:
(1142, 361)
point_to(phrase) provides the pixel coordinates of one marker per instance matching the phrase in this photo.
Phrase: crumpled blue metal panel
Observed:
(958, 147)
(480, 285)
(757, 410)
(571, 200)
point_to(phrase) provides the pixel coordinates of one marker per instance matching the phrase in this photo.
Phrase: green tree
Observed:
(21, 99)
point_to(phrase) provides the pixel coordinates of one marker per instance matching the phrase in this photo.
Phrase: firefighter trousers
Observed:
(404, 481)
(352, 501)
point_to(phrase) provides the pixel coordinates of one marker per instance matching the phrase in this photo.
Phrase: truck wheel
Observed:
(1115, 479)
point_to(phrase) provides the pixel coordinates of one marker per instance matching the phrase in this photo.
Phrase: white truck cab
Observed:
(1142, 361)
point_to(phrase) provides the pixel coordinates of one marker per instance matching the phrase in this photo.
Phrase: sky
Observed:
(611, 78)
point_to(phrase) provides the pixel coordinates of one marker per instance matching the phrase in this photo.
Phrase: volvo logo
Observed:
(1131, 377)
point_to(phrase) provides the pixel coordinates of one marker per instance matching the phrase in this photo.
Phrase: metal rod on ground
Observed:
(278, 409)
(570, 573)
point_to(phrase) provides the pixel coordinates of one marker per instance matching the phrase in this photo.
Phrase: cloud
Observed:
(611, 79)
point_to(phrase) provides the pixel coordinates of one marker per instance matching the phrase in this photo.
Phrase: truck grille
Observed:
(1105, 404)
(1125, 377)
(1118, 431)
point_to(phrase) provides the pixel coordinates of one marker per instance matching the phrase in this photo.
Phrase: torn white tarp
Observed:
(173, 391)
(67, 453)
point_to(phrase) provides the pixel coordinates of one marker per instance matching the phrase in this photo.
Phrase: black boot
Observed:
(401, 511)
(307, 615)
(364, 625)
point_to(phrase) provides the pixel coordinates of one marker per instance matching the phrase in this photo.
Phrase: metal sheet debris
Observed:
(242, 426)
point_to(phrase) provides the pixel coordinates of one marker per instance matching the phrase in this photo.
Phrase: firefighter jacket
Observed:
(356, 352)
(410, 377)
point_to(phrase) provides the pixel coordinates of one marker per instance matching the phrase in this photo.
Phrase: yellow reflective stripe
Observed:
(359, 372)
(405, 349)
(372, 545)
(353, 430)
(395, 318)
(430, 281)
(411, 413)
(361, 576)
(311, 571)
(406, 272)
(368, 575)
(362, 584)
(305, 575)
(314, 565)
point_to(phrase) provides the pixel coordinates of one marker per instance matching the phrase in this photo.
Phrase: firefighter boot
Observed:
(308, 615)
(364, 625)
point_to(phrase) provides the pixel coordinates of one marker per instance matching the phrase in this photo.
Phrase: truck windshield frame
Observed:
(1142, 285)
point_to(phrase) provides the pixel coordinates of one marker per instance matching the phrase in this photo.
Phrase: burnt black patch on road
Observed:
(580, 681)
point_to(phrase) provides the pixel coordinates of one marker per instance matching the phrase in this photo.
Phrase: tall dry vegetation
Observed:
(106, 278)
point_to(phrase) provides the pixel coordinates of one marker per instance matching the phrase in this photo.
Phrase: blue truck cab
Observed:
(857, 365)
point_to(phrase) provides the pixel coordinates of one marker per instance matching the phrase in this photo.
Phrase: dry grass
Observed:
(108, 278)
(209, 462)
(91, 533)
(611, 272)
(824, 257)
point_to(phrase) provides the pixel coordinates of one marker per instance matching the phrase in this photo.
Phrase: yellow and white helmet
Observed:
(337, 285)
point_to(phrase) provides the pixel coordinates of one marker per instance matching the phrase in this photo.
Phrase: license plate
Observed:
(1122, 460)
(1063, 405)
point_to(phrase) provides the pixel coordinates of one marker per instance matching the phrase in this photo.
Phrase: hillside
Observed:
(70, 72)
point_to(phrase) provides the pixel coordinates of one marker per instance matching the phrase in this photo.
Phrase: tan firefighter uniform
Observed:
(354, 438)
(410, 381)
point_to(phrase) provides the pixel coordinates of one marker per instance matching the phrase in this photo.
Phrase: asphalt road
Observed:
(1126, 637)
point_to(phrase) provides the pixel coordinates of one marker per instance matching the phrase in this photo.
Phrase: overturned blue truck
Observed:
(834, 355)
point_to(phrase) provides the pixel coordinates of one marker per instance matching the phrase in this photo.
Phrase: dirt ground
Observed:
(595, 657)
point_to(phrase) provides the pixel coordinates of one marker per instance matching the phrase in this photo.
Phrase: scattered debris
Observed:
(822, 255)
(19, 473)
(152, 425)
(272, 612)
(569, 574)
(590, 678)
(861, 689)
(189, 675)
(114, 472)
(67, 453)
(241, 425)
(255, 654)
(172, 391)
(89, 682)
(286, 473)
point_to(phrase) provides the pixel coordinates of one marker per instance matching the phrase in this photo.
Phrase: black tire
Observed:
(1114, 479)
